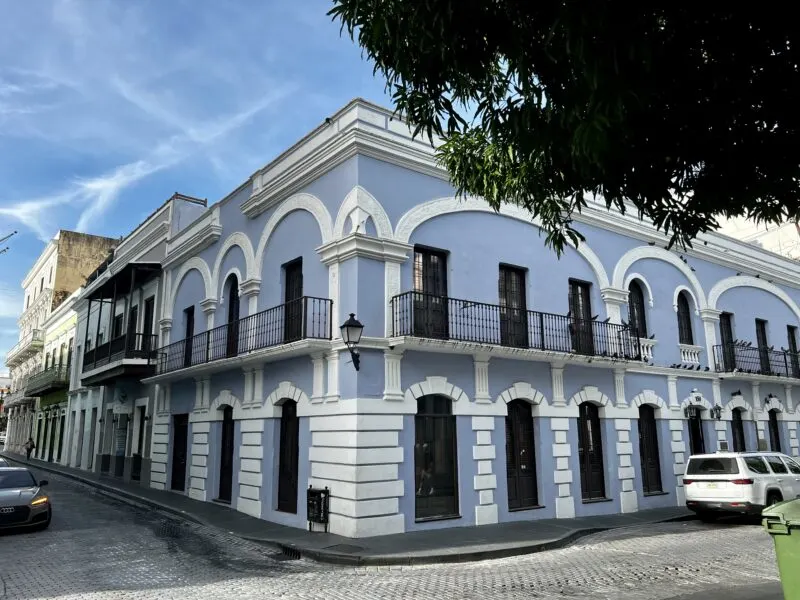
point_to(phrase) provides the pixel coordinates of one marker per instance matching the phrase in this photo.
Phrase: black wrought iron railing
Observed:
(424, 315)
(138, 345)
(304, 318)
(757, 360)
(48, 379)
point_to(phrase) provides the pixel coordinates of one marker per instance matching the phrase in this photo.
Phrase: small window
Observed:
(50, 279)
(756, 464)
(712, 466)
(685, 334)
(776, 464)
(636, 315)
(117, 328)
(41, 284)
(793, 466)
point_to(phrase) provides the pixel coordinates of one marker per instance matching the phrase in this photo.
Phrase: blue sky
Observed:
(107, 107)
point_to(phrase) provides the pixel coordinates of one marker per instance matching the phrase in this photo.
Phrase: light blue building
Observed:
(496, 382)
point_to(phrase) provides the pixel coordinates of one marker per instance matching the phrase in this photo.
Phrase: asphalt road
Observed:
(100, 548)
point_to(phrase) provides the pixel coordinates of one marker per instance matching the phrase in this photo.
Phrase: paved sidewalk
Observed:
(459, 544)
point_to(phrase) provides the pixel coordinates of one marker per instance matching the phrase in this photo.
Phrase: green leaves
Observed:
(687, 113)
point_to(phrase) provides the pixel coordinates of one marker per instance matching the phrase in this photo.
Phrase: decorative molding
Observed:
(729, 283)
(691, 399)
(306, 202)
(235, 240)
(589, 393)
(774, 404)
(391, 288)
(287, 390)
(643, 252)
(688, 290)
(643, 281)
(193, 264)
(710, 315)
(318, 377)
(392, 375)
(736, 402)
(360, 199)
(435, 386)
(448, 205)
(361, 245)
(250, 287)
(521, 390)
(557, 380)
(481, 367)
(195, 238)
(219, 285)
(208, 306)
(649, 398)
(619, 388)
(612, 295)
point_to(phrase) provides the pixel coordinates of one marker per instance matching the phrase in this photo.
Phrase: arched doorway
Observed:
(520, 457)
(590, 452)
(774, 431)
(226, 456)
(648, 450)
(737, 430)
(232, 293)
(697, 442)
(435, 459)
(288, 458)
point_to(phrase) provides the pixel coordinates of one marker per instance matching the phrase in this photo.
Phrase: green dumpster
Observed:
(782, 522)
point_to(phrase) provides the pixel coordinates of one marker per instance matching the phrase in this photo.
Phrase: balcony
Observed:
(125, 356)
(415, 314)
(742, 357)
(48, 381)
(306, 318)
(28, 346)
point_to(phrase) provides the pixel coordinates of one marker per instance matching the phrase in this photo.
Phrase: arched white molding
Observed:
(737, 402)
(640, 279)
(303, 201)
(729, 283)
(286, 390)
(650, 398)
(435, 386)
(225, 398)
(688, 290)
(692, 400)
(522, 391)
(589, 393)
(442, 206)
(220, 286)
(774, 404)
(197, 264)
(642, 252)
(241, 241)
(360, 198)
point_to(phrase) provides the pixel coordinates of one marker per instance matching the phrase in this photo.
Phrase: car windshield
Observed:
(16, 479)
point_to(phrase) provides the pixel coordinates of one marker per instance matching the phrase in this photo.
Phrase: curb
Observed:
(337, 558)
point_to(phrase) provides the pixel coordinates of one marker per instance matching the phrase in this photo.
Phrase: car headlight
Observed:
(39, 500)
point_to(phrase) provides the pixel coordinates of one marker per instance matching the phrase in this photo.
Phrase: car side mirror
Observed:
(43, 483)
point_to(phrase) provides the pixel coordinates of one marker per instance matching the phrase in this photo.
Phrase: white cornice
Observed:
(48, 251)
(358, 244)
(201, 234)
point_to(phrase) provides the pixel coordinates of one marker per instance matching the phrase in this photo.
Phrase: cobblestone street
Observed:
(99, 548)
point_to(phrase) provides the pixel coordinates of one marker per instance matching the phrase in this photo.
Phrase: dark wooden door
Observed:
(188, 338)
(763, 346)
(226, 456)
(513, 309)
(520, 457)
(581, 326)
(180, 439)
(61, 437)
(774, 431)
(147, 326)
(232, 345)
(648, 450)
(52, 445)
(288, 460)
(794, 359)
(430, 298)
(726, 337)
(737, 429)
(293, 300)
(590, 452)
(697, 443)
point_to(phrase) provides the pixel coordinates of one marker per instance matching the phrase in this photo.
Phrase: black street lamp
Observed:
(351, 335)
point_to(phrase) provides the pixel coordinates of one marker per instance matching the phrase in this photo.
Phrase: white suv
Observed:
(739, 482)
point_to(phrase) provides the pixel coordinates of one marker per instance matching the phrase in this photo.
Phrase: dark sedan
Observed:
(22, 501)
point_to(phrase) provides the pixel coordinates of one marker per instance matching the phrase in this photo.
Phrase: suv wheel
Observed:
(773, 498)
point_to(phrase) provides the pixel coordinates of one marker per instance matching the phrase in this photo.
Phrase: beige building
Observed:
(38, 363)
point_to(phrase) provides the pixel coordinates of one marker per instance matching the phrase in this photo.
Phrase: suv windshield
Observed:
(16, 479)
(712, 466)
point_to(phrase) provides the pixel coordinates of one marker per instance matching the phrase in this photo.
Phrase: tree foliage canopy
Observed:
(689, 112)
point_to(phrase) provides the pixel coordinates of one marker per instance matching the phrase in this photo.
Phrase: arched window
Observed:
(232, 296)
(435, 459)
(648, 450)
(636, 314)
(590, 452)
(685, 335)
(774, 431)
(737, 430)
(288, 458)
